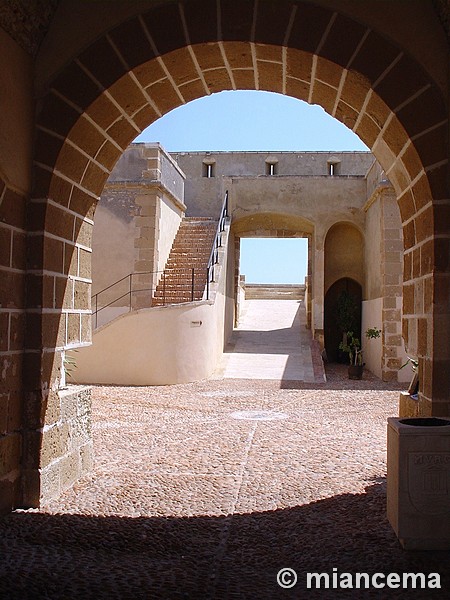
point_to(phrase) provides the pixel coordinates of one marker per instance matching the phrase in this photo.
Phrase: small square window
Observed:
(208, 169)
(271, 167)
(333, 167)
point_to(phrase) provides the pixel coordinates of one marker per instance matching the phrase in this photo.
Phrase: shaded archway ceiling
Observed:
(442, 7)
(27, 21)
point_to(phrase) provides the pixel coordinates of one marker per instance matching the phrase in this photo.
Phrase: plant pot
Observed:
(355, 371)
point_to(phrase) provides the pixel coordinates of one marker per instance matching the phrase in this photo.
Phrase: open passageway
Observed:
(272, 342)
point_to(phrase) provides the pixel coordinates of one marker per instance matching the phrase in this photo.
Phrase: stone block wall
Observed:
(392, 274)
(383, 286)
(66, 446)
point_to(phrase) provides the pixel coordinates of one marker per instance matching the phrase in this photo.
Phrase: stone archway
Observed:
(176, 52)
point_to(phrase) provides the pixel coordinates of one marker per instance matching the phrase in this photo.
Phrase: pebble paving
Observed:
(188, 501)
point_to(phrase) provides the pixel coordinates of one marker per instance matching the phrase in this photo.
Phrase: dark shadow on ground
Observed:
(68, 557)
(249, 341)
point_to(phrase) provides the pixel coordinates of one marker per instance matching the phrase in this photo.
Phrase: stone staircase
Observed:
(191, 249)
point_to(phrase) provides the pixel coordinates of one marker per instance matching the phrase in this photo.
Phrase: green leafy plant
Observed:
(373, 332)
(352, 346)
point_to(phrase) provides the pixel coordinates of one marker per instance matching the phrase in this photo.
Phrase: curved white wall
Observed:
(160, 345)
(155, 346)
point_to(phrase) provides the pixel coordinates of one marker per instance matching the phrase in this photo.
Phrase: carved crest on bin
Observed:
(429, 482)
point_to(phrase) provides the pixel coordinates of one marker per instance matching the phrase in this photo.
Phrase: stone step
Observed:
(199, 219)
(198, 241)
(184, 286)
(183, 273)
(186, 261)
(191, 249)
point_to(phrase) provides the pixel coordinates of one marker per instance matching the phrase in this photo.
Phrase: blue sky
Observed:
(249, 120)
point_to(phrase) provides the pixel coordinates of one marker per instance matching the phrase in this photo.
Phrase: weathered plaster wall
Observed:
(137, 218)
(373, 348)
(113, 239)
(16, 115)
(163, 346)
(231, 283)
(344, 254)
(204, 195)
(314, 199)
(373, 247)
(169, 223)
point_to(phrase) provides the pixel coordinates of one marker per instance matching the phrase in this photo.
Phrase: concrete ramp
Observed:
(272, 342)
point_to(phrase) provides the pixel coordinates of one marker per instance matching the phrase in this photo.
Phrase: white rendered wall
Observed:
(166, 230)
(160, 345)
(405, 374)
(372, 348)
(155, 346)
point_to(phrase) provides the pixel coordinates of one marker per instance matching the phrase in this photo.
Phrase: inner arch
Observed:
(86, 143)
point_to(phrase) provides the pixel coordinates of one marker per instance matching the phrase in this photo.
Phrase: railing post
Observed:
(192, 285)
(214, 256)
(130, 287)
(96, 311)
(164, 287)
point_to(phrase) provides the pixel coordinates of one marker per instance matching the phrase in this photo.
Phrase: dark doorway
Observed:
(333, 334)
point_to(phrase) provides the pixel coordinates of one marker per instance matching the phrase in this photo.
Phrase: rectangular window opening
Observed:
(334, 168)
(208, 170)
(271, 168)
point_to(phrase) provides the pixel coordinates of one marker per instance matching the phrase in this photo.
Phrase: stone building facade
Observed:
(341, 203)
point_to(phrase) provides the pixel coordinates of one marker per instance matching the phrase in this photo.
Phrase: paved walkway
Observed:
(271, 342)
(205, 491)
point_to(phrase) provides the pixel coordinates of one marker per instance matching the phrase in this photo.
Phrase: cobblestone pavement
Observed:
(207, 490)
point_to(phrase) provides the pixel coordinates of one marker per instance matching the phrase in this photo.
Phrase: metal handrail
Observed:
(123, 279)
(187, 286)
(217, 243)
(190, 285)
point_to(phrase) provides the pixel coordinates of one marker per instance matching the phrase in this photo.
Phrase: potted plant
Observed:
(352, 346)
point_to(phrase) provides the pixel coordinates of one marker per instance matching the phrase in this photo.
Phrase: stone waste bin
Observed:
(418, 482)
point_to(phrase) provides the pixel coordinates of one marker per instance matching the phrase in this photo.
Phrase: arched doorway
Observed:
(135, 71)
(332, 330)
